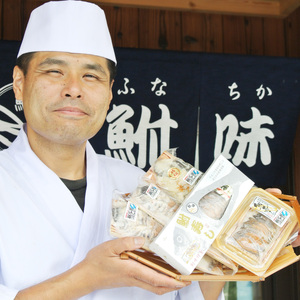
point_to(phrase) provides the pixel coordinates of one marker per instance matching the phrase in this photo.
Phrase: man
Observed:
(55, 242)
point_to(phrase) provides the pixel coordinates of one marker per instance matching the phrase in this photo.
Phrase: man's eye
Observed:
(91, 76)
(54, 72)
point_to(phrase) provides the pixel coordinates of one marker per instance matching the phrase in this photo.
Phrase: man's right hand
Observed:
(110, 271)
(103, 269)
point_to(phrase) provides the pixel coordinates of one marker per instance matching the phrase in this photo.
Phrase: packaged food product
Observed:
(215, 202)
(232, 267)
(128, 220)
(173, 175)
(209, 265)
(257, 231)
(154, 201)
(189, 234)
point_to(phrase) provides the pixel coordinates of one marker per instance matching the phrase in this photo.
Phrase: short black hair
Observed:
(112, 69)
(24, 60)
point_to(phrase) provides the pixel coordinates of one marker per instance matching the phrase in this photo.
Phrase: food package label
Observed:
(278, 216)
(195, 225)
(173, 175)
(257, 231)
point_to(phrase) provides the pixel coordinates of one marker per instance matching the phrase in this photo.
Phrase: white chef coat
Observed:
(43, 232)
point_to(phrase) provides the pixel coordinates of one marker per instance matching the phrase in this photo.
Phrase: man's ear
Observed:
(18, 82)
(111, 93)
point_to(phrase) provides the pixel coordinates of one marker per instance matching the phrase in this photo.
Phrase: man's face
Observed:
(65, 96)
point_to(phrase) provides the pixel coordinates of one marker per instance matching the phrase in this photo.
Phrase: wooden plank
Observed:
(159, 29)
(123, 24)
(288, 6)
(170, 30)
(193, 26)
(274, 39)
(296, 160)
(1, 19)
(292, 34)
(202, 32)
(244, 7)
(234, 39)
(13, 20)
(286, 258)
(254, 35)
(149, 29)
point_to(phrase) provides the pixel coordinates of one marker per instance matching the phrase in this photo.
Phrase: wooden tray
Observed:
(291, 201)
(155, 262)
(286, 258)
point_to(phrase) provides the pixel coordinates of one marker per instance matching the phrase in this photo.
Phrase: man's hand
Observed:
(103, 269)
(109, 271)
(296, 243)
(274, 191)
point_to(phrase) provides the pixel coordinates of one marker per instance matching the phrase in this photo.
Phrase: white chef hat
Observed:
(68, 26)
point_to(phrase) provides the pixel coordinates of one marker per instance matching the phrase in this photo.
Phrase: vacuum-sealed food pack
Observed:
(209, 265)
(154, 201)
(128, 220)
(193, 228)
(172, 174)
(257, 231)
(228, 264)
(214, 203)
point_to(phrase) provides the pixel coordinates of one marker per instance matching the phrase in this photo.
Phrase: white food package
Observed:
(190, 232)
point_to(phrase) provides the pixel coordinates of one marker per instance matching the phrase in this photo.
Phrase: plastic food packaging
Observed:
(209, 265)
(231, 266)
(257, 231)
(214, 203)
(154, 201)
(185, 239)
(173, 175)
(128, 220)
(180, 212)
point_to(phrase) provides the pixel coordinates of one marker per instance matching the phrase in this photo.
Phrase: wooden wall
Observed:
(199, 32)
(175, 30)
(183, 31)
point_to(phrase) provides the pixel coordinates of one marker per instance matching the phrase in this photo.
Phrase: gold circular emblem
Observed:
(173, 173)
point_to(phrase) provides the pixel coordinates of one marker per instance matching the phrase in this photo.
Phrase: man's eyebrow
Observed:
(95, 67)
(89, 66)
(52, 61)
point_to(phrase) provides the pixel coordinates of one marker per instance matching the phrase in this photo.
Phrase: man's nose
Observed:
(72, 88)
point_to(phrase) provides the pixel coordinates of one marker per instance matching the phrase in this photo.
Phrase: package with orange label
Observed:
(201, 216)
(257, 231)
(173, 175)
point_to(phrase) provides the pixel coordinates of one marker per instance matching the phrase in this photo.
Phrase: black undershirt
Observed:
(77, 188)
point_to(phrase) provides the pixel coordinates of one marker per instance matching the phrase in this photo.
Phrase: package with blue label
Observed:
(174, 176)
(154, 201)
(257, 231)
(128, 220)
(202, 215)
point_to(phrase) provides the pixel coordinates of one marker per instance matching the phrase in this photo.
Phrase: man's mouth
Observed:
(71, 111)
